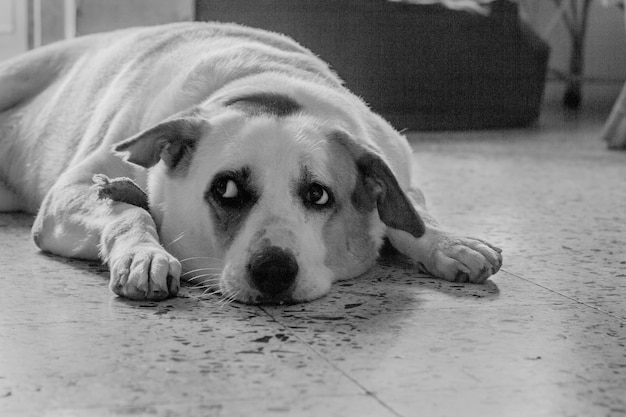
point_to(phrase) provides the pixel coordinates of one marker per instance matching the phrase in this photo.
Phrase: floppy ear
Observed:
(377, 185)
(172, 141)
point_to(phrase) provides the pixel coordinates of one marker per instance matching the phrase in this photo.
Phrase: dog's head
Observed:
(265, 202)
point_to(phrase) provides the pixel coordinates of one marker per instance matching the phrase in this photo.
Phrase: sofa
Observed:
(423, 67)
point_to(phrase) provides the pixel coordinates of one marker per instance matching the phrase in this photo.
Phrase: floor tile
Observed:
(548, 199)
(301, 406)
(615, 308)
(580, 282)
(579, 399)
(467, 347)
(170, 353)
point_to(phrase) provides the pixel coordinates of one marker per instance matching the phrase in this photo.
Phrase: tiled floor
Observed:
(545, 337)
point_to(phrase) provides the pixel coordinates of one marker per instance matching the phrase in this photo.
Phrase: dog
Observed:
(266, 179)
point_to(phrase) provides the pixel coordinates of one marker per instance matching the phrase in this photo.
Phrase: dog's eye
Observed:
(317, 194)
(226, 188)
(231, 190)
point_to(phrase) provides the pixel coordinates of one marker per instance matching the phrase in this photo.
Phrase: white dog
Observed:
(266, 178)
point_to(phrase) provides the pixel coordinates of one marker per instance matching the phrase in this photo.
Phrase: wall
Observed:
(98, 15)
(13, 28)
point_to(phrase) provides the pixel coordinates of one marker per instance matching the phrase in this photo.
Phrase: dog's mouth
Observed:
(252, 297)
(263, 300)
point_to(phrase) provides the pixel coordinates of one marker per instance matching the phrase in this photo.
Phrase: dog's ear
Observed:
(172, 141)
(378, 187)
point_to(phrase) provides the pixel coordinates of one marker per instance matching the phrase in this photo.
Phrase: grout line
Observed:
(332, 365)
(586, 304)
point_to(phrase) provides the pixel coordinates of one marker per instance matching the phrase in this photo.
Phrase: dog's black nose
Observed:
(273, 270)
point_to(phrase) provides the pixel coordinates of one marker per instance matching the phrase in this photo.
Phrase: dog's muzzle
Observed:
(272, 271)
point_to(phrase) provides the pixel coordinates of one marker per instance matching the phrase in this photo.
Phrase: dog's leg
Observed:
(74, 222)
(444, 254)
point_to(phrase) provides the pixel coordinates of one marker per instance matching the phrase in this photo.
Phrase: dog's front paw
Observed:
(145, 273)
(463, 259)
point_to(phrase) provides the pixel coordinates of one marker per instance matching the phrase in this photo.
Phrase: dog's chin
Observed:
(273, 301)
(241, 289)
(285, 298)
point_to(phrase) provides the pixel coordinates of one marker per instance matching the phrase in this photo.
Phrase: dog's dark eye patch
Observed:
(232, 190)
(314, 195)
(265, 104)
(231, 196)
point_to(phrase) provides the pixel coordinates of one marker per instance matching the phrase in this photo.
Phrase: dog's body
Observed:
(267, 179)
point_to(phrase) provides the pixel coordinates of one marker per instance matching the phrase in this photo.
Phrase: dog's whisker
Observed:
(205, 280)
(193, 271)
(207, 277)
(209, 288)
(178, 238)
(228, 297)
(210, 291)
(232, 297)
(205, 284)
(193, 258)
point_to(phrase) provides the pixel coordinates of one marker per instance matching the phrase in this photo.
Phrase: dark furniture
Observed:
(422, 67)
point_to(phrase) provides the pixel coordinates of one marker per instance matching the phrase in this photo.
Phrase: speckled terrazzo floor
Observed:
(545, 337)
